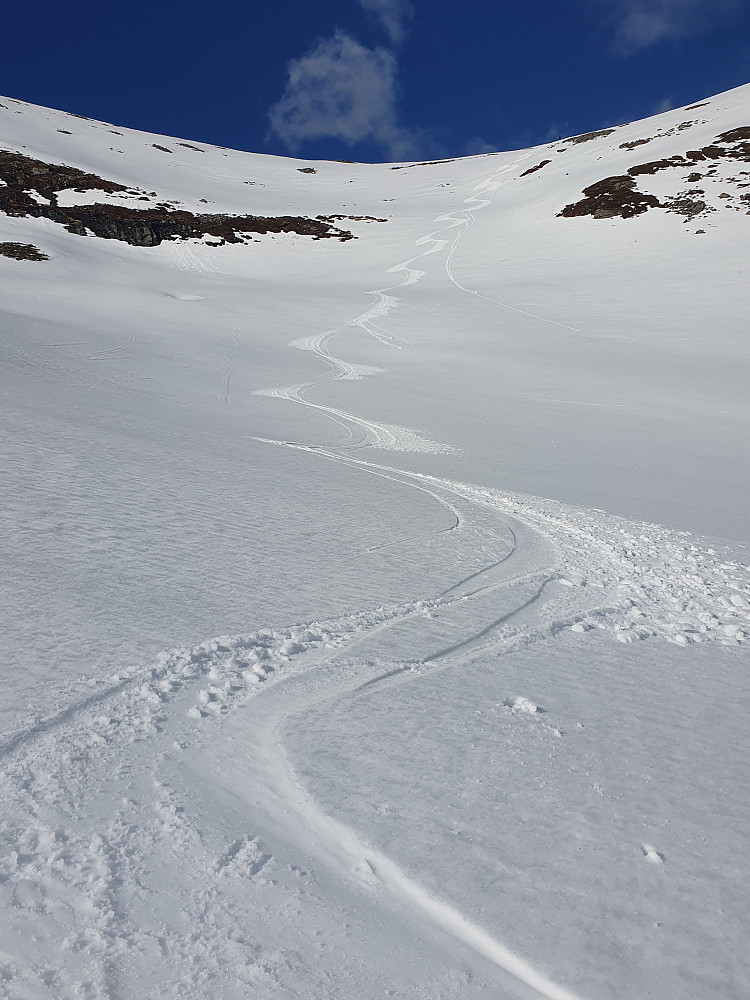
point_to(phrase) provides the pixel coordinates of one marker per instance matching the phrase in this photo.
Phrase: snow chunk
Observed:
(652, 855)
(521, 704)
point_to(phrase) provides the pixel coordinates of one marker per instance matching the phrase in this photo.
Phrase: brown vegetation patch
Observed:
(634, 143)
(655, 165)
(532, 170)
(613, 196)
(619, 196)
(22, 173)
(139, 227)
(740, 151)
(22, 251)
(427, 163)
(588, 136)
(735, 134)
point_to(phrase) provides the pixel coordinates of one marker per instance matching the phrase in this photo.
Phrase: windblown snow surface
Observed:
(377, 612)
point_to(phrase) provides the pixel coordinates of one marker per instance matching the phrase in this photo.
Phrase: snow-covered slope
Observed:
(374, 566)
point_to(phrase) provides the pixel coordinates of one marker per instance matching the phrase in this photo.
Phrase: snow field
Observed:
(501, 753)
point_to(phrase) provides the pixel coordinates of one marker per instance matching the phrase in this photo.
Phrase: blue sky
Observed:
(374, 79)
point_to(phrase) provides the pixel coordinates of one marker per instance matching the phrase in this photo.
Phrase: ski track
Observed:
(589, 571)
(346, 853)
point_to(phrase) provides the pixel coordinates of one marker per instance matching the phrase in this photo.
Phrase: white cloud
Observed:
(392, 14)
(639, 24)
(342, 90)
(665, 104)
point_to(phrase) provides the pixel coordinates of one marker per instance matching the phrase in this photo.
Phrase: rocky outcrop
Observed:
(611, 197)
(619, 196)
(30, 188)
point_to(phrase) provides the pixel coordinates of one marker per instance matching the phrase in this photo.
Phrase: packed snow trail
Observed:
(273, 787)
(372, 433)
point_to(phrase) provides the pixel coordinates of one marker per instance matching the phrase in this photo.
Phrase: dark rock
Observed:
(683, 204)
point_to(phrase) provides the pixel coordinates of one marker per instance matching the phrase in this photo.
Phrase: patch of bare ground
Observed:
(25, 177)
(735, 134)
(613, 196)
(533, 170)
(427, 163)
(352, 218)
(22, 251)
(654, 166)
(635, 142)
(619, 196)
(588, 136)
(686, 203)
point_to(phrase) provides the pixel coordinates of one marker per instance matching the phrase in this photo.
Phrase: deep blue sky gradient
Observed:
(473, 76)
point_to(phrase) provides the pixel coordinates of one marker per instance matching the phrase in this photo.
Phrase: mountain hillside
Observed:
(375, 575)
